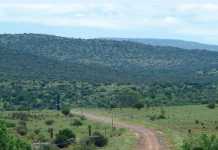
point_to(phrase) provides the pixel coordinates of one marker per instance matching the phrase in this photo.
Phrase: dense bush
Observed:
(211, 105)
(64, 138)
(49, 122)
(203, 142)
(99, 139)
(76, 122)
(66, 111)
(86, 143)
(8, 142)
(139, 106)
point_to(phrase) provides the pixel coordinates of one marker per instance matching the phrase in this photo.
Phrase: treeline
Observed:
(41, 94)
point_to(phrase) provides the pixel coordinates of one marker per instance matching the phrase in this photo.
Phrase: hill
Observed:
(171, 42)
(103, 60)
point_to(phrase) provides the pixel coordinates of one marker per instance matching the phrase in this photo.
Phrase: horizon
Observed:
(189, 20)
(140, 38)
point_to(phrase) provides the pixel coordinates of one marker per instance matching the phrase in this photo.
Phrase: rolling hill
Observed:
(99, 60)
(171, 42)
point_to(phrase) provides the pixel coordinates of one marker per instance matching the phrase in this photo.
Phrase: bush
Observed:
(66, 111)
(162, 114)
(86, 143)
(8, 142)
(153, 117)
(49, 122)
(211, 105)
(37, 131)
(99, 139)
(76, 122)
(203, 142)
(22, 128)
(197, 121)
(139, 106)
(64, 138)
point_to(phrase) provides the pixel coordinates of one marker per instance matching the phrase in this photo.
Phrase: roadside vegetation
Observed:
(178, 123)
(53, 130)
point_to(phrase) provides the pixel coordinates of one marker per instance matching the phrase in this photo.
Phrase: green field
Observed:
(120, 139)
(179, 120)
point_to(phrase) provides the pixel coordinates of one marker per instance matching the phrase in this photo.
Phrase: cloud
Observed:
(186, 17)
(196, 7)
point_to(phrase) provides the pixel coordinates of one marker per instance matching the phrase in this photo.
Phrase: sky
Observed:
(195, 20)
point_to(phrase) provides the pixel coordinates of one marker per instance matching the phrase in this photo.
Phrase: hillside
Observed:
(171, 42)
(103, 60)
(22, 65)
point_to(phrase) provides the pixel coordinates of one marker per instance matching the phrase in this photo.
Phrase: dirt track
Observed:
(147, 138)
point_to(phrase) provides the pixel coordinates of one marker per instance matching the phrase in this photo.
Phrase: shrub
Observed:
(37, 131)
(64, 138)
(197, 121)
(203, 142)
(49, 122)
(76, 122)
(10, 124)
(83, 117)
(66, 111)
(162, 114)
(152, 117)
(86, 143)
(211, 105)
(139, 106)
(22, 128)
(8, 142)
(99, 139)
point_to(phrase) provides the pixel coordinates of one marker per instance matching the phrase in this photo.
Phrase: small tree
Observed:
(64, 138)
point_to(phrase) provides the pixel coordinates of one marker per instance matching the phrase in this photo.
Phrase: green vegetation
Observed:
(35, 56)
(54, 130)
(177, 122)
(8, 142)
(203, 142)
(60, 95)
(40, 74)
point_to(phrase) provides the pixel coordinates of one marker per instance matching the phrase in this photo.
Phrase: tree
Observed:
(64, 138)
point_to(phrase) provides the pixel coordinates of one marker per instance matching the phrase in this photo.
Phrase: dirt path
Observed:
(147, 138)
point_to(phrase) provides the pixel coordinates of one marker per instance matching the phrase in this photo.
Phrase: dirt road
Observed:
(147, 138)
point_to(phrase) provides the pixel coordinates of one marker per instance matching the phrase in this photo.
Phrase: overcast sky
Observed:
(195, 20)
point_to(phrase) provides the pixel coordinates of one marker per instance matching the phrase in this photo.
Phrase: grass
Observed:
(124, 141)
(179, 120)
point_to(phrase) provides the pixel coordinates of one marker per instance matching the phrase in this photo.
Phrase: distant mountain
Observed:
(98, 60)
(174, 43)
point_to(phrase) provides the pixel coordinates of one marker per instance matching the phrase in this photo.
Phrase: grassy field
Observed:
(121, 139)
(180, 121)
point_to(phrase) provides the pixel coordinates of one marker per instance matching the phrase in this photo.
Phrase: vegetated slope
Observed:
(119, 61)
(171, 42)
(18, 64)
